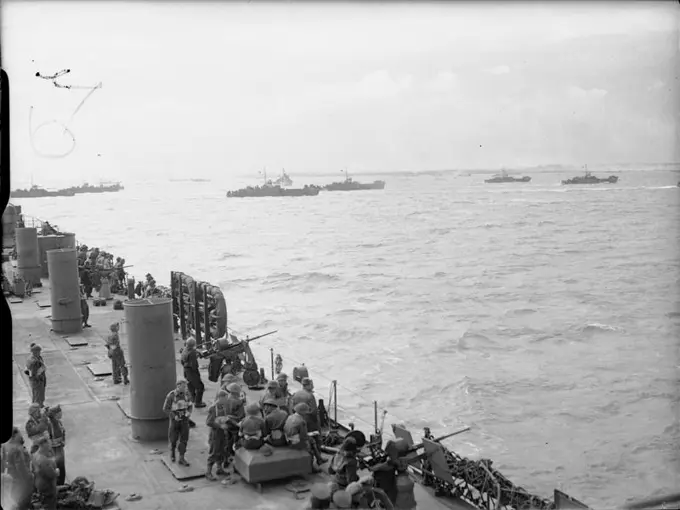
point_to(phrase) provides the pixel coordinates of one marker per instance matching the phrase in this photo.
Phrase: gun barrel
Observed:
(440, 438)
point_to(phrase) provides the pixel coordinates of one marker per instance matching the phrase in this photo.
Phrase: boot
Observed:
(182, 461)
(220, 470)
(200, 404)
(126, 380)
(172, 455)
(192, 423)
(208, 472)
(116, 381)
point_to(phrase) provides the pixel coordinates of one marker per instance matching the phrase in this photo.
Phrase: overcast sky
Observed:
(229, 88)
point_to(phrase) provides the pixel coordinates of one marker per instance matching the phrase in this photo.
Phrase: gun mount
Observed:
(231, 355)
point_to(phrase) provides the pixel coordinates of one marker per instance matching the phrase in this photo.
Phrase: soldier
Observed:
(283, 394)
(84, 308)
(45, 474)
(217, 421)
(252, 430)
(58, 440)
(35, 370)
(36, 426)
(306, 396)
(236, 412)
(115, 352)
(191, 374)
(18, 465)
(274, 421)
(178, 406)
(270, 393)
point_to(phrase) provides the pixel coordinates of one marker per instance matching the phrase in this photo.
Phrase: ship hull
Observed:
(354, 186)
(496, 180)
(274, 192)
(612, 179)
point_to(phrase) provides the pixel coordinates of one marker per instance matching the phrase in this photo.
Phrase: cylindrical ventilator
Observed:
(64, 290)
(153, 367)
(28, 254)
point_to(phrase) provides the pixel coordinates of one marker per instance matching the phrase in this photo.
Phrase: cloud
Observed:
(580, 93)
(499, 70)
(443, 82)
(380, 84)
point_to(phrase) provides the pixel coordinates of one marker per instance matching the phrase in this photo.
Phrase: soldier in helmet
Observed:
(192, 375)
(17, 463)
(270, 393)
(274, 420)
(306, 396)
(115, 352)
(178, 406)
(344, 465)
(252, 429)
(37, 426)
(217, 439)
(45, 473)
(235, 413)
(282, 393)
(35, 370)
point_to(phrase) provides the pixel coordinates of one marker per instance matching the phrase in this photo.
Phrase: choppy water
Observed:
(545, 317)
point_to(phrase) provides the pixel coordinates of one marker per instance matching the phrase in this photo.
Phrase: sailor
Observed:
(252, 429)
(178, 406)
(236, 413)
(17, 462)
(344, 465)
(57, 434)
(306, 396)
(191, 374)
(84, 308)
(35, 370)
(115, 352)
(45, 474)
(274, 422)
(36, 426)
(217, 438)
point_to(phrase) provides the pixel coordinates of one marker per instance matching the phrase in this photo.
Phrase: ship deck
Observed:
(99, 445)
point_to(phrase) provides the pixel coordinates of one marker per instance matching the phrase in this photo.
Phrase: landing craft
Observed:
(588, 178)
(350, 185)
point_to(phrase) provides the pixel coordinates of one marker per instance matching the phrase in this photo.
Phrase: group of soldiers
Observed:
(93, 265)
(35, 476)
(278, 419)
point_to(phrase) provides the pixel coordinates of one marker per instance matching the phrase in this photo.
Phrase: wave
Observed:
(596, 326)
(227, 255)
(312, 276)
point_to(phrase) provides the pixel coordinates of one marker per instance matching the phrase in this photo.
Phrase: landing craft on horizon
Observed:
(272, 189)
(350, 185)
(588, 178)
(504, 177)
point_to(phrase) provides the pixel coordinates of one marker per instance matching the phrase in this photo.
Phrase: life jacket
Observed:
(180, 406)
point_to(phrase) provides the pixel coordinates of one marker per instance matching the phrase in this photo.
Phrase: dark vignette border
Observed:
(6, 338)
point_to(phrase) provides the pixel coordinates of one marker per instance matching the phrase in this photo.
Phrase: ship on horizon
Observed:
(351, 185)
(504, 177)
(588, 178)
(272, 189)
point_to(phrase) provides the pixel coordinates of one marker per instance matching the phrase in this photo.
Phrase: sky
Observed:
(213, 89)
